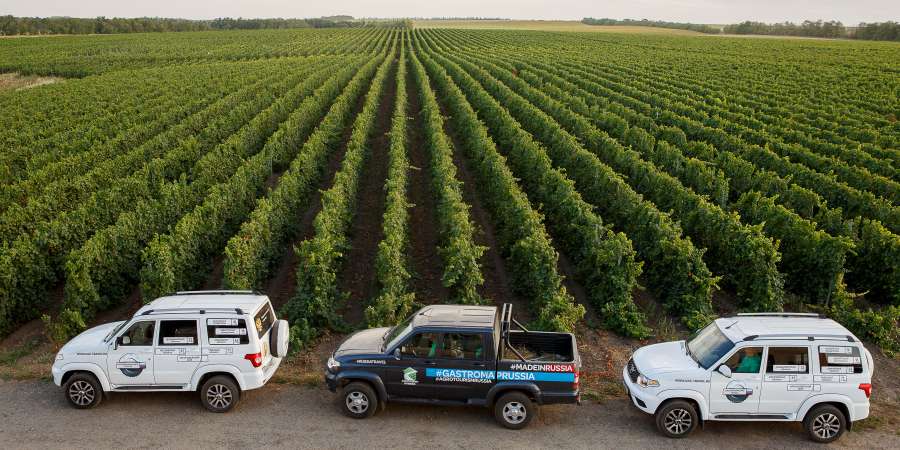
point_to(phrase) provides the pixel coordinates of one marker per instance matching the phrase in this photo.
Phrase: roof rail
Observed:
(219, 292)
(192, 310)
(808, 337)
(781, 314)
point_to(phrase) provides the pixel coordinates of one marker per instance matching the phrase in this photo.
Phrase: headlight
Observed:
(645, 382)
(333, 364)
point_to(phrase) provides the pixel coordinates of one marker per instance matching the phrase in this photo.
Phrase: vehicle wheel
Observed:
(359, 401)
(83, 391)
(278, 339)
(514, 410)
(219, 394)
(676, 419)
(825, 423)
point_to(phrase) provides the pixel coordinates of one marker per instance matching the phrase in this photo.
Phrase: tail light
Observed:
(254, 358)
(867, 388)
(577, 379)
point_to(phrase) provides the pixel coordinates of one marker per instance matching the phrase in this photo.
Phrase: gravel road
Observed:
(33, 414)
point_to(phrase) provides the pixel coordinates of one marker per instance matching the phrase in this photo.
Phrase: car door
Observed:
(738, 394)
(787, 381)
(177, 351)
(462, 370)
(130, 357)
(405, 377)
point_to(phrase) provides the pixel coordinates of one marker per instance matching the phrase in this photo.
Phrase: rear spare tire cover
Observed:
(278, 339)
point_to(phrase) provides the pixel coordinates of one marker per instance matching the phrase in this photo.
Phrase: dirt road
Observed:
(33, 414)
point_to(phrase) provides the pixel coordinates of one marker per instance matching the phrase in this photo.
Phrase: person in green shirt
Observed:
(750, 362)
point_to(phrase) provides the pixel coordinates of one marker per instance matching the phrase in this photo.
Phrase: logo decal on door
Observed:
(130, 365)
(409, 376)
(736, 392)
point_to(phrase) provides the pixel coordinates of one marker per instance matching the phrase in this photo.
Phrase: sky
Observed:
(850, 12)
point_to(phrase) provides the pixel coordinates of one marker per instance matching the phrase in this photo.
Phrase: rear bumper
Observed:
(554, 398)
(259, 378)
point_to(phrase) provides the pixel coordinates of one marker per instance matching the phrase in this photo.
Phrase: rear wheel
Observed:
(83, 391)
(514, 410)
(219, 394)
(676, 419)
(825, 423)
(359, 401)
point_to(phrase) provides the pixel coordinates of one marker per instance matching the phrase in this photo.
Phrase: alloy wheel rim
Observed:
(678, 421)
(826, 426)
(514, 413)
(219, 396)
(357, 402)
(81, 393)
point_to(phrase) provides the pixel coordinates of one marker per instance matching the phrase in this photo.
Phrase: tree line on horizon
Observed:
(11, 25)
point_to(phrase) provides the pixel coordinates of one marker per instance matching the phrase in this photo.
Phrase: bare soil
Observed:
(17, 82)
(357, 276)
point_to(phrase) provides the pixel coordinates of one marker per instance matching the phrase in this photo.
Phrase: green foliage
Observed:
(881, 327)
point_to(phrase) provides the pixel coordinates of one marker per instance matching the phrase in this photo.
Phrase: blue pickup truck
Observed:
(456, 355)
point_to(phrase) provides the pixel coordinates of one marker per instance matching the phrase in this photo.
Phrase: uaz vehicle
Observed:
(756, 367)
(456, 355)
(218, 343)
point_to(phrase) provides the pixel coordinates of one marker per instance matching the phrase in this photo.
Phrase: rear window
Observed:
(264, 319)
(839, 360)
(227, 331)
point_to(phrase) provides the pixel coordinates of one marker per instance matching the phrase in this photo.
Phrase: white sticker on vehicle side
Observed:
(224, 341)
(231, 331)
(169, 351)
(218, 351)
(830, 378)
(804, 387)
(781, 378)
(222, 322)
(837, 369)
(789, 368)
(837, 350)
(843, 359)
(178, 340)
(192, 358)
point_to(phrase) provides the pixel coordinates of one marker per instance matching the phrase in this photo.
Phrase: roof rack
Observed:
(808, 337)
(781, 314)
(219, 292)
(192, 310)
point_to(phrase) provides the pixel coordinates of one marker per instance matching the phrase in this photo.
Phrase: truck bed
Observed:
(536, 346)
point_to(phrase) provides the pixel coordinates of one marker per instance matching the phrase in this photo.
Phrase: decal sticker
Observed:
(169, 351)
(830, 378)
(218, 351)
(804, 387)
(736, 392)
(837, 350)
(410, 376)
(781, 378)
(370, 361)
(192, 358)
(222, 322)
(460, 376)
(843, 360)
(231, 331)
(224, 341)
(485, 376)
(837, 369)
(178, 340)
(130, 365)
(789, 368)
(543, 367)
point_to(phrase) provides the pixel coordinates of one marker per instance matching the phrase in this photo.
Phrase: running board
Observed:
(753, 416)
(149, 388)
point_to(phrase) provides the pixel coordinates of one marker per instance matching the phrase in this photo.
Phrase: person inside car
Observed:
(750, 362)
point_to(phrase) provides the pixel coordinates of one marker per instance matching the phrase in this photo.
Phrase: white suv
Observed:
(218, 343)
(756, 367)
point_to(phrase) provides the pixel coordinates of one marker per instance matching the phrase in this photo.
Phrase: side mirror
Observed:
(397, 353)
(125, 340)
(724, 370)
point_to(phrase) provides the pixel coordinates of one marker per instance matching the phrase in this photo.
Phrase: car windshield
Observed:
(709, 346)
(398, 331)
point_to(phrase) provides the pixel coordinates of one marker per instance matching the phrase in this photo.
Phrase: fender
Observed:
(689, 394)
(203, 370)
(376, 381)
(87, 367)
(810, 402)
(502, 387)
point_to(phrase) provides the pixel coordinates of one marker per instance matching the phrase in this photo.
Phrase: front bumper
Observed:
(643, 400)
(56, 373)
(331, 381)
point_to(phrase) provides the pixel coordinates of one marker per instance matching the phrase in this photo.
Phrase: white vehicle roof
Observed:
(213, 301)
(783, 326)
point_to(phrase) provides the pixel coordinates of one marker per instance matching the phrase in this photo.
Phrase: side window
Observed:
(178, 332)
(227, 332)
(745, 360)
(422, 345)
(462, 346)
(839, 359)
(138, 335)
(787, 360)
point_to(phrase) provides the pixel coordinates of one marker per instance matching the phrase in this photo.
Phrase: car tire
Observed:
(278, 339)
(514, 410)
(676, 419)
(83, 391)
(359, 400)
(220, 394)
(825, 423)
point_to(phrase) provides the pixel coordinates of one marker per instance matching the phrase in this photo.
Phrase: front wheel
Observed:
(825, 423)
(514, 410)
(219, 394)
(83, 391)
(359, 401)
(676, 419)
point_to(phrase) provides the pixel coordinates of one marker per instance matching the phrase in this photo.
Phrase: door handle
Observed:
(478, 364)
(430, 363)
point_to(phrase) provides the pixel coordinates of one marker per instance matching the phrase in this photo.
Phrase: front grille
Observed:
(632, 371)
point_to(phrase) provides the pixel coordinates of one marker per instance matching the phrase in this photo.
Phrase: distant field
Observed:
(544, 25)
